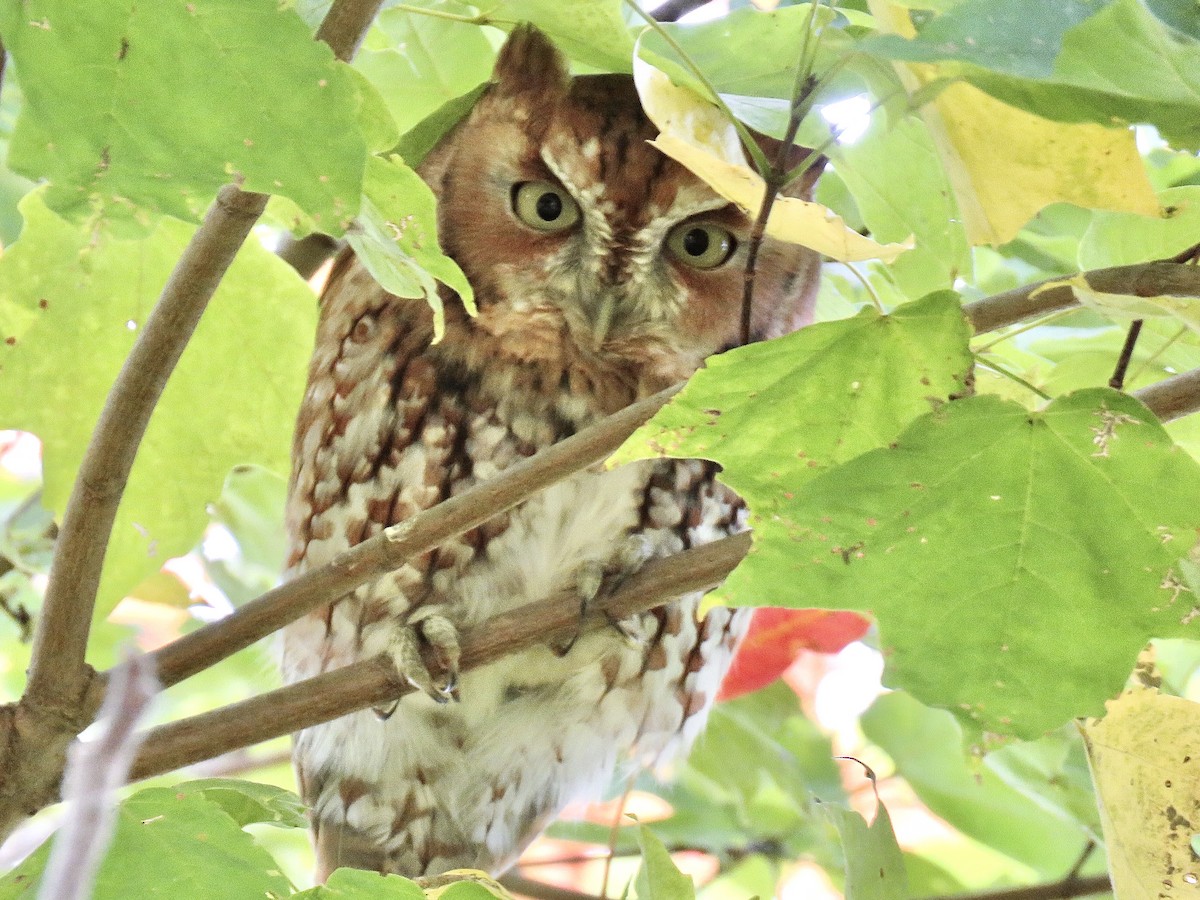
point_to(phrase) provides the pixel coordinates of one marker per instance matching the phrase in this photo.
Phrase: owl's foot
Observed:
(437, 635)
(593, 580)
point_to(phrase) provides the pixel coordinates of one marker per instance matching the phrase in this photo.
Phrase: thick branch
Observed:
(58, 674)
(389, 550)
(1144, 280)
(375, 682)
(1174, 397)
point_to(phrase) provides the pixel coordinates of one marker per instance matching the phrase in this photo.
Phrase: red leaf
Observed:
(777, 636)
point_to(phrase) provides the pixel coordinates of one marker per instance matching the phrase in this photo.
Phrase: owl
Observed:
(604, 272)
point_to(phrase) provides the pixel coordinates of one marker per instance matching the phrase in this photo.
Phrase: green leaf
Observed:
(1018, 37)
(419, 62)
(248, 802)
(395, 236)
(752, 53)
(926, 746)
(776, 414)
(900, 190)
(591, 31)
(746, 783)
(355, 884)
(70, 308)
(874, 864)
(1008, 529)
(416, 143)
(176, 102)
(1053, 771)
(659, 878)
(170, 843)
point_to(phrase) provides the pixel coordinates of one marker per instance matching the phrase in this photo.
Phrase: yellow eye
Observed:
(544, 206)
(700, 245)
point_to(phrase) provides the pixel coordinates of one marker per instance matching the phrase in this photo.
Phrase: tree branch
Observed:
(540, 890)
(307, 254)
(1174, 397)
(374, 682)
(346, 24)
(1143, 280)
(58, 674)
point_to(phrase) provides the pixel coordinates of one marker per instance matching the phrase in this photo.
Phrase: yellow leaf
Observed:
(699, 136)
(1145, 761)
(1005, 164)
(436, 885)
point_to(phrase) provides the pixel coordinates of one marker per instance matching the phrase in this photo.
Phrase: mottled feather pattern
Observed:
(392, 424)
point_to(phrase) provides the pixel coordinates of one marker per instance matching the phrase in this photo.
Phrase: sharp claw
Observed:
(439, 682)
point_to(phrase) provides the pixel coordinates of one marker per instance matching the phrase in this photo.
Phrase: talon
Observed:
(588, 582)
(439, 682)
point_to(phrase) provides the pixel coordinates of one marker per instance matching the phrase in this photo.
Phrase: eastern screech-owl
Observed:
(604, 272)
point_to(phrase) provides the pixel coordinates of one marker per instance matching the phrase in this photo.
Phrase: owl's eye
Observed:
(544, 206)
(701, 245)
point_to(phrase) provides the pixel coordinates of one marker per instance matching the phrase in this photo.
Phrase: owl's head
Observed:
(586, 244)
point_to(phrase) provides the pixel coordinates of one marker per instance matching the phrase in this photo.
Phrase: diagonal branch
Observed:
(374, 682)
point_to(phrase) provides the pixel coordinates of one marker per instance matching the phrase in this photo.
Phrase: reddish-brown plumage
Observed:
(574, 323)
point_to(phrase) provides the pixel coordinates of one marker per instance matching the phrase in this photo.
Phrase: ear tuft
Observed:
(529, 64)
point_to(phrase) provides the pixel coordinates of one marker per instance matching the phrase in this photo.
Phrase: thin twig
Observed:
(1117, 381)
(58, 674)
(375, 682)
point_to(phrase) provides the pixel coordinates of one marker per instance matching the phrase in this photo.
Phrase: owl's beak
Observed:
(602, 319)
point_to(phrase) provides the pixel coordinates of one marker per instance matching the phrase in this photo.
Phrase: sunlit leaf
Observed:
(1005, 163)
(874, 864)
(1145, 759)
(71, 307)
(926, 746)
